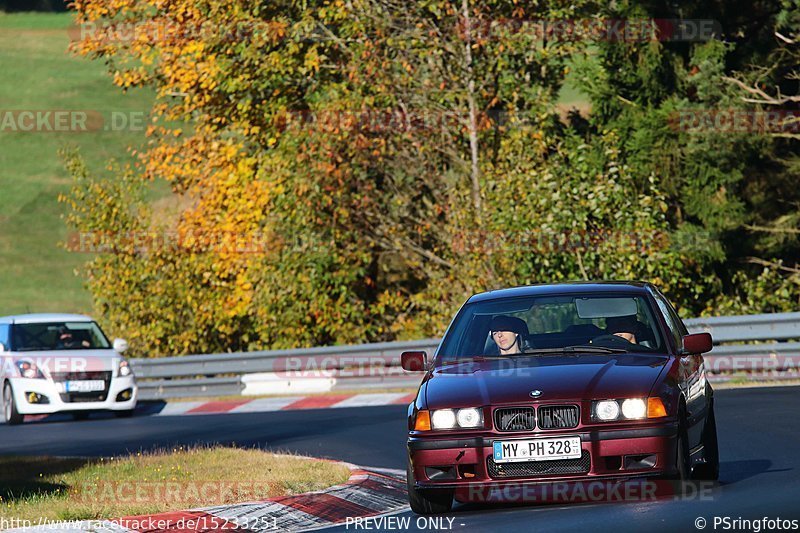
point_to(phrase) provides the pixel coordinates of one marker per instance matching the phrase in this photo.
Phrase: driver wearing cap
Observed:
(508, 333)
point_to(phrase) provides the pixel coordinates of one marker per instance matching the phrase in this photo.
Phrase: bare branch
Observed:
(771, 264)
(580, 265)
(763, 97)
(335, 38)
(767, 229)
(427, 254)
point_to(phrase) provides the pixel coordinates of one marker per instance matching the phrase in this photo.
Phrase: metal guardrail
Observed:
(278, 360)
(774, 327)
(221, 374)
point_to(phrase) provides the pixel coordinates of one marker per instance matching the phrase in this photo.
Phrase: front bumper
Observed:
(22, 387)
(440, 462)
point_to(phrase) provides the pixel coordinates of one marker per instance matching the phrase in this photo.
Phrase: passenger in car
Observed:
(508, 333)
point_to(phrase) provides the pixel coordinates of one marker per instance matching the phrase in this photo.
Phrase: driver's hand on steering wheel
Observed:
(630, 337)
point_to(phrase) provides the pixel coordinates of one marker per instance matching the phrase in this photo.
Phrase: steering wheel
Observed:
(611, 338)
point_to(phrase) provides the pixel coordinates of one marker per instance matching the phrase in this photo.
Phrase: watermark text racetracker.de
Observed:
(614, 30)
(477, 241)
(588, 491)
(717, 121)
(70, 121)
(37, 365)
(372, 364)
(756, 525)
(175, 493)
(187, 522)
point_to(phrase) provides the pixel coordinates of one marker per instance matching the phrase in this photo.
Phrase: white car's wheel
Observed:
(10, 414)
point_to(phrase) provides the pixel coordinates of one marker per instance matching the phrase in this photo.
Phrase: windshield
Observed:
(512, 327)
(57, 336)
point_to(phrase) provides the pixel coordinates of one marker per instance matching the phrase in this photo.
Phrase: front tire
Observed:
(10, 413)
(683, 469)
(709, 471)
(425, 502)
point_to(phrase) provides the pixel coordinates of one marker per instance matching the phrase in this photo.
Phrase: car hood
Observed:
(568, 377)
(56, 361)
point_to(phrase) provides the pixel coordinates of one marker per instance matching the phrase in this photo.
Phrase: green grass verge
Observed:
(40, 74)
(33, 488)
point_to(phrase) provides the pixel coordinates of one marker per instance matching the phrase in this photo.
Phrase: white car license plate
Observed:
(90, 385)
(509, 451)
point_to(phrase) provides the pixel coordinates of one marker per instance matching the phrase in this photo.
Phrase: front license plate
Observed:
(509, 451)
(90, 385)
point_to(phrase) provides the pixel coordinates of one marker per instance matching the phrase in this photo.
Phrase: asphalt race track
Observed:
(759, 433)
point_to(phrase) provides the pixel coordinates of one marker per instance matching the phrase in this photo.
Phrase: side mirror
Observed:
(120, 345)
(697, 343)
(414, 361)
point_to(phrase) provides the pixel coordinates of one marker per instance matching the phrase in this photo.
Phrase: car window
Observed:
(554, 322)
(4, 336)
(674, 323)
(58, 336)
(677, 319)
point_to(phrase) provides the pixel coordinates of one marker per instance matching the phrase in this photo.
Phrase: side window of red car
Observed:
(675, 325)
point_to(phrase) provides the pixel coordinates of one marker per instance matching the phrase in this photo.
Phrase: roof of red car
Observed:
(575, 287)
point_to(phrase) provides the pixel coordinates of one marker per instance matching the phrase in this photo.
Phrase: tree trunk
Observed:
(473, 113)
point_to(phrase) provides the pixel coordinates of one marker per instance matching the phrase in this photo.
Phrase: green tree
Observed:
(352, 171)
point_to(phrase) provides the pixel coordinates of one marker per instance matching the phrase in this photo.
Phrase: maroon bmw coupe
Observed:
(560, 383)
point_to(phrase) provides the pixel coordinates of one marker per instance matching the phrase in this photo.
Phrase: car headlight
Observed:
(443, 419)
(606, 410)
(466, 418)
(28, 369)
(469, 418)
(628, 409)
(634, 408)
(124, 368)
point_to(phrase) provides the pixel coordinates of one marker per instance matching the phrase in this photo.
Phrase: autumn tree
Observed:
(351, 171)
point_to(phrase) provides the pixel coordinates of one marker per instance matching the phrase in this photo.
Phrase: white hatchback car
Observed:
(62, 363)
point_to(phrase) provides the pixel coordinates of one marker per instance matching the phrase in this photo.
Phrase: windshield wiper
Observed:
(475, 359)
(574, 350)
(597, 349)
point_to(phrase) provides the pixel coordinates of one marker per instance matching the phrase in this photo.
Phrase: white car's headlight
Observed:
(467, 418)
(124, 368)
(28, 369)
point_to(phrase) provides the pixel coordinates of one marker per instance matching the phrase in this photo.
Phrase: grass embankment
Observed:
(32, 488)
(39, 74)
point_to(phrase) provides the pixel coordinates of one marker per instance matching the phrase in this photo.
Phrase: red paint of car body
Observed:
(675, 375)
(413, 361)
(697, 343)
